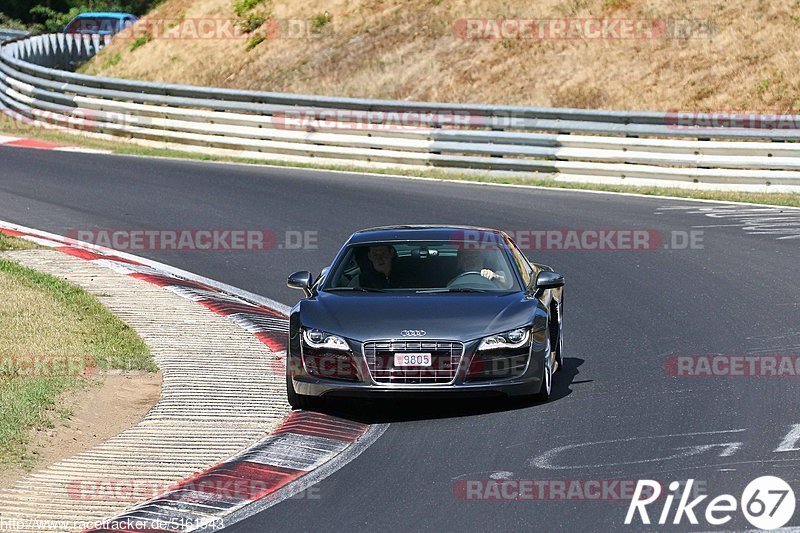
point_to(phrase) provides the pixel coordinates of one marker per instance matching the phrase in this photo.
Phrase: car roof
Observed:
(103, 14)
(420, 233)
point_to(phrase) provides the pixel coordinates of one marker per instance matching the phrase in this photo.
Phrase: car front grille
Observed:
(445, 359)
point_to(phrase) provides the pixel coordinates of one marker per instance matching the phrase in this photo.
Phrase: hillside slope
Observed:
(741, 55)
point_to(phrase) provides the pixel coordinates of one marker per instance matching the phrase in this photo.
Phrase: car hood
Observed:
(455, 316)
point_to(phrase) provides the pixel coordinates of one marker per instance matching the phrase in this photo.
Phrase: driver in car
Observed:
(475, 261)
(383, 273)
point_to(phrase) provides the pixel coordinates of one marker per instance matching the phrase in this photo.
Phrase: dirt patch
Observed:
(54, 338)
(99, 413)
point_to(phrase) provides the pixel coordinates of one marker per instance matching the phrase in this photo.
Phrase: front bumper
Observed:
(362, 382)
(319, 387)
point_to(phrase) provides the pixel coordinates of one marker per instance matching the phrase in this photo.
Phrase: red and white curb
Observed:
(305, 442)
(304, 449)
(36, 144)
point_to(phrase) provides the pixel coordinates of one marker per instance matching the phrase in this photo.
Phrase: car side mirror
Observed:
(547, 279)
(302, 280)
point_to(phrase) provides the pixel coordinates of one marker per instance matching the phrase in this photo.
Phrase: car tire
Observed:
(547, 386)
(297, 401)
(560, 342)
(559, 351)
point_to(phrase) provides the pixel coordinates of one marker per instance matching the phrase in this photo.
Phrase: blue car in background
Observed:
(100, 23)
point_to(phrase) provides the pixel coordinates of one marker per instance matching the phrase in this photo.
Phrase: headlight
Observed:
(316, 338)
(516, 338)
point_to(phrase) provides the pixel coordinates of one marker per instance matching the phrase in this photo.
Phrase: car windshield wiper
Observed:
(453, 289)
(357, 289)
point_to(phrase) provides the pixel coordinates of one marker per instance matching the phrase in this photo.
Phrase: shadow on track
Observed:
(388, 410)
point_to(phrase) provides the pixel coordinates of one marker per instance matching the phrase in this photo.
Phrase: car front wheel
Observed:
(547, 385)
(296, 401)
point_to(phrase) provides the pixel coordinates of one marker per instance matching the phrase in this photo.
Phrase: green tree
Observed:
(48, 14)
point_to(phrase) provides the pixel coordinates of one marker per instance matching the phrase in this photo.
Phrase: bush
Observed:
(251, 23)
(53, 15)
(141, 41)
(255, 41)
(51, 21)
(11, 23)
(320, 20)
(242, 7)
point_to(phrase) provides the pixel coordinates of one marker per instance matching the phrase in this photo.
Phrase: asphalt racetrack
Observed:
(724, 284)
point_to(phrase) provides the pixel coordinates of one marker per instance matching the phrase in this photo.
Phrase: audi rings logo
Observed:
(412, 333)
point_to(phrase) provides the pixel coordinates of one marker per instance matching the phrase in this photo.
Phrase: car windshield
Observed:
(89, 25)
(423, 267)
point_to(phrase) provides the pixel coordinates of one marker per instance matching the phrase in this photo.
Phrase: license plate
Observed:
(412, 359)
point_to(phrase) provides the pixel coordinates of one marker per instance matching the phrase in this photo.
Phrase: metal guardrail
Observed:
(584, 145)
(7, 34)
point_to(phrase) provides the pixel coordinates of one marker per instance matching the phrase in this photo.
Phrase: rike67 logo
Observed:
(767, 502)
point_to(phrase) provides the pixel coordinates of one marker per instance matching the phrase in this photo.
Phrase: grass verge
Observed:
(12, 243)
(53, 335)
(126, 148)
